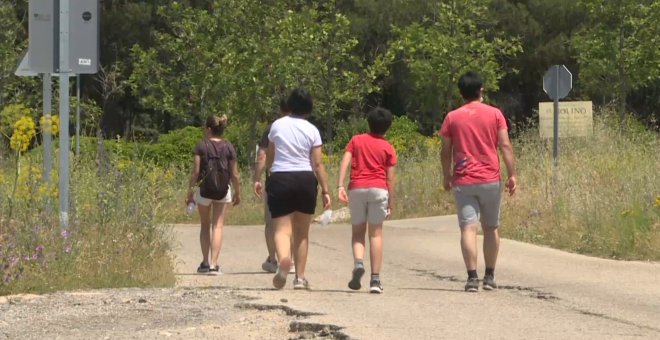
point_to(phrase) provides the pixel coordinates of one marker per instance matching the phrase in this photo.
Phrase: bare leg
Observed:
(469, 246)
(301, 224)
(358, 240)
(205, 231)
(376, 247)
(216, 235)
(269, 233)
(491, 246)
(282, 248)
(282, 236)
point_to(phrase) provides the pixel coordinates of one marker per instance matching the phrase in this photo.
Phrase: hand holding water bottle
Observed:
(190, 203)
(326, 217)
(190, 208)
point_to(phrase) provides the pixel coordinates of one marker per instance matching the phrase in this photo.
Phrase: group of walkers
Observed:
(290, 155)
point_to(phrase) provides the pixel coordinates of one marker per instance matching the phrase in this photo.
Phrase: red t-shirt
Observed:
(473, 131)
(372, 155)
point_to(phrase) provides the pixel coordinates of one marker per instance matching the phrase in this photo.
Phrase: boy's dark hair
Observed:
(300, 102)
(217, 124)
(379, 120)
(470, 85)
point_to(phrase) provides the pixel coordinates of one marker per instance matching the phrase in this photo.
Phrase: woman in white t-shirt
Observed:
(296, 171)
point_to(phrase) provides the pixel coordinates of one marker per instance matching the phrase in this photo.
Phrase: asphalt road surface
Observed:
(544, 293)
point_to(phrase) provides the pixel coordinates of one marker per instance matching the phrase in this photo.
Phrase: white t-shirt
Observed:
(293, 138)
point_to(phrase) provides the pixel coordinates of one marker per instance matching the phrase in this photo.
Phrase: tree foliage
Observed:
(451, 41)
(166, 65)
(617, 49)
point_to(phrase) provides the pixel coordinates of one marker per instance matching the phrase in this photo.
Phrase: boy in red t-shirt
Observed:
(370, 193)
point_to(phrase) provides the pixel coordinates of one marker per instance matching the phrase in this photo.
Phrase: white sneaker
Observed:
(300, 284)
(292, 270)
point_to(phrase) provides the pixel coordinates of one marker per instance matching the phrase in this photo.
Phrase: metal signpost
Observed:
(557, 83)
(63, 40)
(64, 71)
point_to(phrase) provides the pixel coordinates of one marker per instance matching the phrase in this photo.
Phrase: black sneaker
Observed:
(203, 268)
(215, 270)
(375, 287)
(489, 283)
(355, 284)
(472, 285)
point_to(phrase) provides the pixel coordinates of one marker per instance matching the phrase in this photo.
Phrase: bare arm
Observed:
(321, 175)
(270, 155)
(509, 160)
(259, 167)
(194, 177)
(235, 182)
(445, 159)
(390, 188)
(343, 167)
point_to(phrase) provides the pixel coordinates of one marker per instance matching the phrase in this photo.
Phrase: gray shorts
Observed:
(368, 205)
(478, 202)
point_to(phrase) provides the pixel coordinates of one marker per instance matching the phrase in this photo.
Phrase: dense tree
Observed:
(451, 40)
(167, 64)
(617, 48)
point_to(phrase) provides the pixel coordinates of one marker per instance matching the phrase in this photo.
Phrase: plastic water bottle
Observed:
(190, 208)
(326, 217)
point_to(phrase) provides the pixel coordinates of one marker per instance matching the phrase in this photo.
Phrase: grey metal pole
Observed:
(64, 113)
(555, 128)
(47, 134)
(77, 115)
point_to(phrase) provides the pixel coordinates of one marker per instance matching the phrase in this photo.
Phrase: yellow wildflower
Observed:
(657, 201)
(24, 131)
(50, 123)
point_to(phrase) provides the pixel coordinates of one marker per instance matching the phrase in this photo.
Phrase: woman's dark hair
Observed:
(217, 124)
(379, 120)
(284, 108)
(300, 102)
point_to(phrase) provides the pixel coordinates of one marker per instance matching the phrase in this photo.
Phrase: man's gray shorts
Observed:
(368, 205)
(478, 200)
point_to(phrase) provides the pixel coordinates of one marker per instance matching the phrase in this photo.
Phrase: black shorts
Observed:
(289, 192)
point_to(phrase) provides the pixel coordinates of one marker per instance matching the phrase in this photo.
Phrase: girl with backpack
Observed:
(214, 168)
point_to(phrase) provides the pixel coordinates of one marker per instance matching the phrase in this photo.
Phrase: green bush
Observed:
(175, 147)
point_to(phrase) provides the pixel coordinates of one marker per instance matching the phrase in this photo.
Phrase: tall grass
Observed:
(115, 236)
(603, 199)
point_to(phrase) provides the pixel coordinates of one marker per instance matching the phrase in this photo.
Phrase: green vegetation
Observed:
(604, 199)
(115, 238)
(167, 65)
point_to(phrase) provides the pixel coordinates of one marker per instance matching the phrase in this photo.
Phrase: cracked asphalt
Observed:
(544, 294)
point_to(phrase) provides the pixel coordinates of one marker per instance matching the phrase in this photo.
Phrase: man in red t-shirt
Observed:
(370, 193)
(471, 135)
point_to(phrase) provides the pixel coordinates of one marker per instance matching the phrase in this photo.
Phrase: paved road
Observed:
(544, 294)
